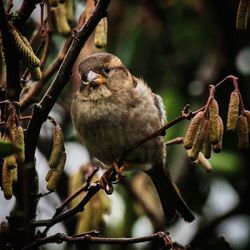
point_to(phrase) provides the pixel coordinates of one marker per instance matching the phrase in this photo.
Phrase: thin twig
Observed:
(93, 189)
(70, 198)
(47, 36)
(24, 13)
(229, 77)
(84, 188)
(177, 140)
(162, 237)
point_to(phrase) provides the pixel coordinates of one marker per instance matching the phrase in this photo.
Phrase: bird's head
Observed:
(103, 74)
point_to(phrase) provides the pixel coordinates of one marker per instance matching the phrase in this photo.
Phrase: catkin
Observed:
(57, 148)
(36, 73)
(206, 149)
(233, 110)
(192, 130)
(243, 140)
(69, 7)
(204, 163)
(56, 173)
(242, 15)
(19, 140)
(25, 50)
(214, 123)
(101, 32)
(218, 147)
(7, 175)
(61, 20)
(198, 143)
(247, 115)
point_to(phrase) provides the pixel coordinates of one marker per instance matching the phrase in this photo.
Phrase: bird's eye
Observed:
(106, 70)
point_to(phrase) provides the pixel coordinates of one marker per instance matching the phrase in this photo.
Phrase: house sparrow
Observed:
(114, 109)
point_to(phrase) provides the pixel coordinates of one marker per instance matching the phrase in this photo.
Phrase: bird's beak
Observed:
(95, 79)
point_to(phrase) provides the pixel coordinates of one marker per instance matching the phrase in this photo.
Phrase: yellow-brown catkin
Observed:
(57, 148)
(214, 123)
(56, 173)
(218, 147)
(11, 160)
(101, 33)
(19, 140)
(193, 130)
(61, 20)
(7, 180)
(36, 73)
(243, 140)
(69, 7)
(242, 15)
(204, 163)
(206, 149)
(198, 143)
(247, 115)
(25, 51)
(233, 110)
(14, 173)
(49, 174)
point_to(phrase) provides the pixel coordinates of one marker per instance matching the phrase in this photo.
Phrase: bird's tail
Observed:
(170, 197)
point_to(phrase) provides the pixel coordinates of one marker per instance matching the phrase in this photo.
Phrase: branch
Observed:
(41, 110)
(84, 188)
(93, 189)
(161, 237)
(24, 12)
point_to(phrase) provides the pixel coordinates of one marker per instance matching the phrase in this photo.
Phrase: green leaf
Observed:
(8, 148)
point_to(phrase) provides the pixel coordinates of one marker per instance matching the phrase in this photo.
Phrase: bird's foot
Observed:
(105, 181)
(118, 172)
(111, 176)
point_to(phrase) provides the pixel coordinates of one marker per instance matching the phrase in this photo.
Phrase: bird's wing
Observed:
(142, 89)
(160, 106)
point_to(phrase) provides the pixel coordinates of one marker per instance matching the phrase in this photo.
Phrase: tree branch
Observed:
(93, 189)
(24, 12)
(84, 188)
(161, 237)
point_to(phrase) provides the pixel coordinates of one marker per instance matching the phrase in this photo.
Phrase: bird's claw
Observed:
(105, 181)
(110, 177)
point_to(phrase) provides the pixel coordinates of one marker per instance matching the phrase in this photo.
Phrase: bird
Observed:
(113, 109)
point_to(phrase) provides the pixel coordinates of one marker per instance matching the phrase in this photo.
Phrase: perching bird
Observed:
(114, 109)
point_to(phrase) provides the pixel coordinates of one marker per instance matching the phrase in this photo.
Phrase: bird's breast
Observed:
(106, 128)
